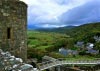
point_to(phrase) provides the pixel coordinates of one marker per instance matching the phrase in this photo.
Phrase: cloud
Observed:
(89, 12)
(47, 12)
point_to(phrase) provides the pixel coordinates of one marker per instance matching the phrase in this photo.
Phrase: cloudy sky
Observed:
(59, 13)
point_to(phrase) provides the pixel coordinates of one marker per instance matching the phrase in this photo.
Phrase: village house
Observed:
(97, 38)
(92, 51)
(66, 52)
(89, 47)
(63, 51)
(80, 44)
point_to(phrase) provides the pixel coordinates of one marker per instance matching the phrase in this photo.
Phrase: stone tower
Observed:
(13, 27)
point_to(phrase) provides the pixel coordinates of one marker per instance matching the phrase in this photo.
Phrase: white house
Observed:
(63, 51)
(89, 46)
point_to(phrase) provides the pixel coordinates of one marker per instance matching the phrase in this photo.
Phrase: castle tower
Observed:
(13, 27)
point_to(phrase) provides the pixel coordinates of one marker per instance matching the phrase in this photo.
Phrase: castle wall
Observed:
(13, 27)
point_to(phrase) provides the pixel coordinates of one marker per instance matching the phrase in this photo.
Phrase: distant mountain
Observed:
(78, 32)
(83, 32)
(57, 30)
(31, 27)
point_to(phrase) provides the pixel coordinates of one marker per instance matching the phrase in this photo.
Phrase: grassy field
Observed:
(80, 58)
(42, 40)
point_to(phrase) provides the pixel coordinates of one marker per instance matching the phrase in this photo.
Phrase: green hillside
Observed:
(84, 31)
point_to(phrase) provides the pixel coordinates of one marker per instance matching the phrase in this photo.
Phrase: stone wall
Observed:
(13, 27)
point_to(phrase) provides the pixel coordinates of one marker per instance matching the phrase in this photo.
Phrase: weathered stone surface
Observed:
(11, 63)
(13, 23)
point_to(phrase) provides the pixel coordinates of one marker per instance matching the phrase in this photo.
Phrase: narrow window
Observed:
(8, 33)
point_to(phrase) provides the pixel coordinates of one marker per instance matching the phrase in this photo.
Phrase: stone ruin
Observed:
(9, 62)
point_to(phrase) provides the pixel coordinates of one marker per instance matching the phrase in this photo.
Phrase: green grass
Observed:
(43, 47)
(42, 40)
(78, 57)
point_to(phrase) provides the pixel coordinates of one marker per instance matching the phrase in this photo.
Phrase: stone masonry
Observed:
(9, 62)
(13, 27)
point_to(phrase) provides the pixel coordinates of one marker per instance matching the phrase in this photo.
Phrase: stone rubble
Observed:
(9, 62)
